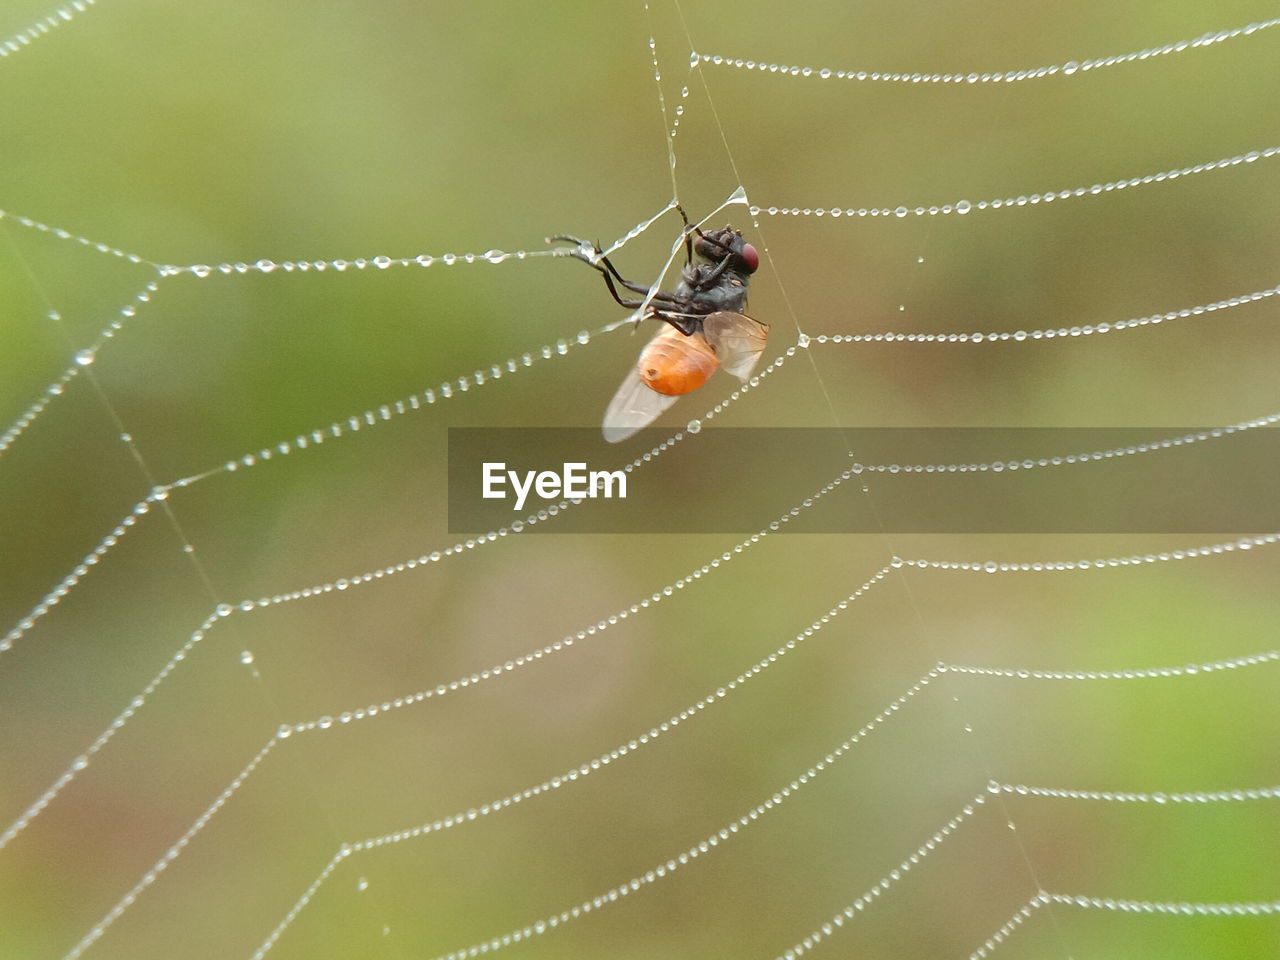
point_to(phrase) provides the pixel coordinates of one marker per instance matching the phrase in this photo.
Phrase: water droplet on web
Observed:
(84, 357)
(246, 657)
(694, 426)
(362, 884)
(901, 212)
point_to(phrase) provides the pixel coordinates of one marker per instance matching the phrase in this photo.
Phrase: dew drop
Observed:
(84, 357)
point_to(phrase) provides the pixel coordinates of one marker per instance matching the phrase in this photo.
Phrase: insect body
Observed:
(705, 327)
(673, 364)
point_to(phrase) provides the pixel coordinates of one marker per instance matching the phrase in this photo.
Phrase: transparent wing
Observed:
(633, 407)
(737, 340)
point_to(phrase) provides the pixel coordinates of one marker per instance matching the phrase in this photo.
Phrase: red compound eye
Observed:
(751, 257)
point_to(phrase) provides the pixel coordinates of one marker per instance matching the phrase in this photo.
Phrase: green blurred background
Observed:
(290, 131)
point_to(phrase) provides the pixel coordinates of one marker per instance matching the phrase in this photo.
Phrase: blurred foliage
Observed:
(241, 131)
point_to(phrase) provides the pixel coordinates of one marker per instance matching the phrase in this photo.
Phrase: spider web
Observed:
(260, 701)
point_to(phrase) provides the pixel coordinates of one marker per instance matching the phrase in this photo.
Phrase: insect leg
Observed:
(633, 304)
(686, 323)
(689, 230)
(608, 268)
(658, 296)
(709, 279)
(610, 273)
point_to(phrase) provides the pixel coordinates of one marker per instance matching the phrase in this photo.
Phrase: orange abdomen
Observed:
(674, 364)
